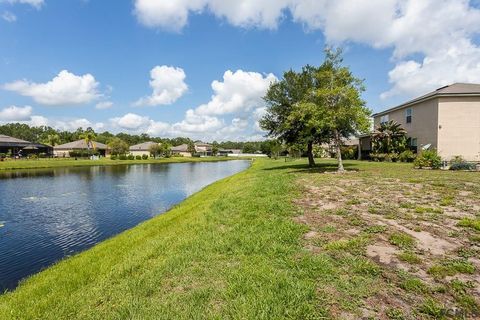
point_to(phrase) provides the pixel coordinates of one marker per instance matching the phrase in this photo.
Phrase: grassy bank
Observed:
(230, 251)
(55, 163)
(282, 241)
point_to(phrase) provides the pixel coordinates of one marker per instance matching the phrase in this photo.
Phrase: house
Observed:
(203, 149)
(447, 119)
(20, 148)
(181, 150)
(64, 150)
(142, 148)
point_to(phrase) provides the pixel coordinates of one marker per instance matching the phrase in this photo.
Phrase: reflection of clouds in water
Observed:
(55, 212)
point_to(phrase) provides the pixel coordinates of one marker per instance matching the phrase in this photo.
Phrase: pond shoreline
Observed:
(51, 213)
(11, 165)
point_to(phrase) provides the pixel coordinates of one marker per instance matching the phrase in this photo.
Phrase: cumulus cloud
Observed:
(441, 32)
(239, 91)
(14, 113)
(194, 123)
(8, 16)
(130, 121)
(67, 124)
(104, 105)
(34, 3)
(168, 84)
(64, 89)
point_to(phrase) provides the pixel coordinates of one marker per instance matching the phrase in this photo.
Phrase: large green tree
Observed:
(118, 146)
(289, 116)
(337, 95)
(317, 105)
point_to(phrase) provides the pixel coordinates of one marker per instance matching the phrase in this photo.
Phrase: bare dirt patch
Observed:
(406, 225)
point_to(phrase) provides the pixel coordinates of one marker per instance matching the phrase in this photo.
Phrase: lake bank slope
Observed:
(230, 251)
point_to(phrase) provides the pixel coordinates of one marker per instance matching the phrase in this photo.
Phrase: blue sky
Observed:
(89, 63)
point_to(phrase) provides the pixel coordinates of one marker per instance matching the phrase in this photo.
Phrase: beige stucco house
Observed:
(63, 150)
(142, 148)
(447, 119)
(181, 150)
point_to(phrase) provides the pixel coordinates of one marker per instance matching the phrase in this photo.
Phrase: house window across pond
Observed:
(384, 119)
(408, 115)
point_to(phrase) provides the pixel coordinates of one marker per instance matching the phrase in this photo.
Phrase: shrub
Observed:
(122, 157)
(3, 155)
(83, 153)
(458, 163)
(113, 157)
(385, 157)
(406, 156)
(144, 157)
(428, 159)
(138, 157)
(131, 157)
(349, 152)
(33, 156)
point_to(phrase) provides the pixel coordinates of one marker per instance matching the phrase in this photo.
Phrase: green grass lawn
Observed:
(52, 163)
(282, 241)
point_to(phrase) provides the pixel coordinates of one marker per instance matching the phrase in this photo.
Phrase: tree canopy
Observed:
(317, 105)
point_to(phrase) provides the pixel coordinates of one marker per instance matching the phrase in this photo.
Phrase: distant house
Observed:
(181, 150)
(63, 150)
(447, 119)
(21, 148)
(204, 149)
(142, 148)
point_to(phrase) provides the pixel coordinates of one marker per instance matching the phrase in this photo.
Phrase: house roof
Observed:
(7, 139)
(145, 146)
(80, 144)
(453, 90)
(180, 148)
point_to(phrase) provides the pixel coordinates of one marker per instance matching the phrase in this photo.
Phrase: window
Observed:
(384, 119)
(408, 115)
(413, 142)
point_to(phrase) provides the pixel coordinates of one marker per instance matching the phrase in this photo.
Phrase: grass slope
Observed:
(55, 163)
(229, 251)
(282, 241)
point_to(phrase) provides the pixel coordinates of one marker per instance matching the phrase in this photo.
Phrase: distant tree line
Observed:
(121, 141)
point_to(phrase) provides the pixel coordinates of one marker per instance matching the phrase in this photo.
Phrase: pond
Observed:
(48, 214)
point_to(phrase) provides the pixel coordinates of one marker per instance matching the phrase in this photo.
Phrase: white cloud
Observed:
(170, 15)
(130, 121)
(168, 84)
(240, 91)
(440, 32)
(8, 16)
(194, 123)
(34, 3)
(64, 89)
(104, 105)
(14, 113)
(67, 124)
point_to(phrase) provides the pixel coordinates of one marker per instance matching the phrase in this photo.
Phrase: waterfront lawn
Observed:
(229, 251)
(67, 162)
(282, 241)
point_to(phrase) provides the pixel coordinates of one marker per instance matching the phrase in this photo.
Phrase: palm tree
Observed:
(53, 139)
(89, 136)
(389, 137)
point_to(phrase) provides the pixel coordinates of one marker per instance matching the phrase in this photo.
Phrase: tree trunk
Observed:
(311, 160)
(338, 143)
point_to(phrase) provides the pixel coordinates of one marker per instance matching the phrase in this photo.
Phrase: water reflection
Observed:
(50, 213)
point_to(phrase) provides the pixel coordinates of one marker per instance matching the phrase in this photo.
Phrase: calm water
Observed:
(49, 214)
